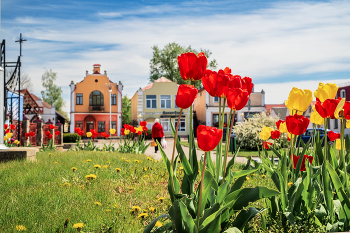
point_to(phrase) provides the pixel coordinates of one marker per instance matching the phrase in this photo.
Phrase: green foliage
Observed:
(138, 146)
(52, 93)
(126, 110)
(247, 132)
(70, 137)
(164, 62)
(49, 146)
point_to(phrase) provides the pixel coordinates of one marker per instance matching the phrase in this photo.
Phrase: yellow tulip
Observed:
(326, 91)
(136, 130)
(140, 128)
(348, 124)
(283, 128)
(9, 135)
(265, 133)
(298, 100)
(88, 134)
(112, 131)
(127, 132)
(338, 144)
(5, 138)
(16, 142)
(315, 117)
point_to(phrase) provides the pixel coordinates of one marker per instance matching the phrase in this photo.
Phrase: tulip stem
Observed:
(218, 148)
(342, 127)
(175, 139)
(325, 138)
(228, 142)
(201, 190)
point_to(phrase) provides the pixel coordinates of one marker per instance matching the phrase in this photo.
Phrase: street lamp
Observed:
(2, 111)
(139, 118)
(110, 106)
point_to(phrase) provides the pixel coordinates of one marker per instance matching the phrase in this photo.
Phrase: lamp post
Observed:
(2, 112)
(110, 106)
(139, 118)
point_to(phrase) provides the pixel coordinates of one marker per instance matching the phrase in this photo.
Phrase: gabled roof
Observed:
(43, 103)
(160, 80)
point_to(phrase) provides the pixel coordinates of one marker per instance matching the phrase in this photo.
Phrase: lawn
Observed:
(42, 195)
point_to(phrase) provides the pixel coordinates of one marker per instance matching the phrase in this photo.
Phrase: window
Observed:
(114, 99)
(151, 101)
(79, 124)
(182, 126)
(165, 122)
(113, 126)
(216, 119)
(175, 102)
(165, 101)
(79, 99)
(216, 99)
(101, 126)
(342, 93)
(96, 98)
(335, 124)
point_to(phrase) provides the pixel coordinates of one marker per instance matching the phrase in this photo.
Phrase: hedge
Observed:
(70, 137)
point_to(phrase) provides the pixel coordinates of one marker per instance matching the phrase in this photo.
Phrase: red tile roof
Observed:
(160, 80)
(270, 106)
(43, 103)
(96, 65)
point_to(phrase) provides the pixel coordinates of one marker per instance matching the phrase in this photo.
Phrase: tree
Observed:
(164, 62)
(52, 93)
(126, 110)
(26, 82)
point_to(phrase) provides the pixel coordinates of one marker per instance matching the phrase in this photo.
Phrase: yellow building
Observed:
(157, 100)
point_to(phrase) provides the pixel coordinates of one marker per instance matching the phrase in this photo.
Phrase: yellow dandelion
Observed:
(152, 209)
(158, 224)
(143, 215)
(247, 178)
(105, 166)
(107, 210)
(128, 161)
(144, 211)
(97, 203)
(90, 177)
(50, 154)
(21, 228)
(108, 162)
(88, 160)
(161, 199)
(179, 161)
(123, 158)
(66, 184)
(78, 225)
(146, 176)
(115, 205)
(290, 183)
(253, 174)
(136, 208)
(118, 169)
(74, 169)
(181, 168)
(56, 162)
(263, 176)
(97, 166)
(145, 169)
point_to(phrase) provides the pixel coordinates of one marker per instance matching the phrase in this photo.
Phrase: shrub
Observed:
(70, 137)
(247, 132)
(149, 134)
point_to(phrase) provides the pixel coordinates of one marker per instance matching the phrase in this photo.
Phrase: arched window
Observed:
(96, 98)
(342, 93)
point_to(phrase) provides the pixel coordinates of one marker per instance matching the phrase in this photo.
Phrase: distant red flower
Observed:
(77, 130)
(275, 134)
(185, 96)
(333, 136)
(143, 123)
(81, 133)
(57, 132)
(278, 123)
(47, 133)
(297, 124)
(144, 128)
(208, 137)
(12, 127)
(327, 108)
(247, 84)
(51, 126)
(192, 66)
(296, 159)
(126, 126)
(237, 98)
(123, 134)
(32, 134)
(106, 136)
(6, 126)
(139, 133)
(7, 131)
(49, 136)
(132, 130)
(267, 145)
(103, 134)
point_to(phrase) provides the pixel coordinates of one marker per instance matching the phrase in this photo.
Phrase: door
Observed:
(89, 126)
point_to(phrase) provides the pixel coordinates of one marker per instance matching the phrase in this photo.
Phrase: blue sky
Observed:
(279, 44)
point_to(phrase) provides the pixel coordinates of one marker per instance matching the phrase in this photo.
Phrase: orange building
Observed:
(90, 103)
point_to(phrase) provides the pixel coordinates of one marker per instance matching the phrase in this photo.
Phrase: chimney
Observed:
(96, 69)
(106, 72)
(87, 72)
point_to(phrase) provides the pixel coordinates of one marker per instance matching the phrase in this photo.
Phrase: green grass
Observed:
(37, 196)
(242, 152)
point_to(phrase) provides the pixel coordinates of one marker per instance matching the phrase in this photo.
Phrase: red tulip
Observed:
(143, 123)
(57, 132)
(346, 110)
(106, 136)
(126, 126)
(237, 98)
(278, 123)
(333, 136)
(185, 96)
(296, 159)
(139, 133)
(275, 134)
(81, 133)
(123, 134)
(132, 130)
(103, 134)
(77, 130)
(208, 137)
(192, 66)
(144, 128)
(216, 83)
(6, 126)
(26, 135)
(32, 134)
(7, 131)
(209, 82)
(267, 145)
(12, 127)
(327, 108)
(122, 130)
(47, 133)
(235, 81)
(247, 84)
(49, 136)
(297, 124)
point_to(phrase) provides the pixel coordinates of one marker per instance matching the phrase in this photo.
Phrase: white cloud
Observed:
(289, 39)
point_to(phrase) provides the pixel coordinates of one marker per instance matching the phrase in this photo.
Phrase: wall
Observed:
(199, 106)
(134, 103)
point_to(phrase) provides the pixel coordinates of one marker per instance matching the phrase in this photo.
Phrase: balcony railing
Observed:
(96, 108)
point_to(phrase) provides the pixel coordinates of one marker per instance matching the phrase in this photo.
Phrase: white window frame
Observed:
(151, 100)
(342, 93)
(214, 101)
(165, 102)
(163, 122)
(182, 120)
(175, 102)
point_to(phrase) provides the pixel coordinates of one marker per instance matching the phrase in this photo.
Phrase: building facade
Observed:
(93, 101)
(157, 100)
(206, 108)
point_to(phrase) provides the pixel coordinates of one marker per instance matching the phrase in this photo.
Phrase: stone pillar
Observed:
(25, 129)
(39, 132)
